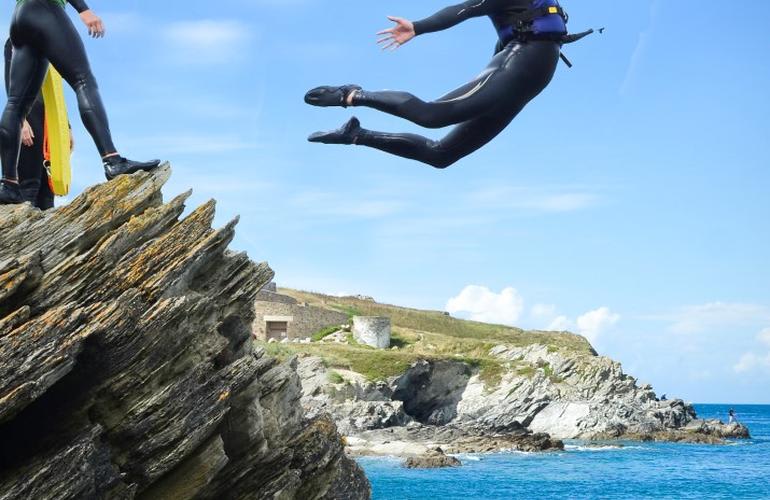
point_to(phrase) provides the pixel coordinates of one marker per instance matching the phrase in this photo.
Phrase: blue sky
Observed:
(628, 202)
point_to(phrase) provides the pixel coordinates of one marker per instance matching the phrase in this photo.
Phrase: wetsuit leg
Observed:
(463, 140)
(47, 27)
(31, 169)
(526, 74)
(516, 74)
(28, 69)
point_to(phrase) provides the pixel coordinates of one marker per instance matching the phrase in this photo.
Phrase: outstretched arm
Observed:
(92, 21)
(454, 15)
(80, 5)
(405, 30)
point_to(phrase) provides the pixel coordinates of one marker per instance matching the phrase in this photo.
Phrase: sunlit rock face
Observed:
(128, 368)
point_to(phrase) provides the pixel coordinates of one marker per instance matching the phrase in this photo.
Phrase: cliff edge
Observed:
(128, 368)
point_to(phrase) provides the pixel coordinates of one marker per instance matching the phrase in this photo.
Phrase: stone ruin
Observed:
(373, 331)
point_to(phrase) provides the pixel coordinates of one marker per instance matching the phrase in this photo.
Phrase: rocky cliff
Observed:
(128, 369)
(472, 387)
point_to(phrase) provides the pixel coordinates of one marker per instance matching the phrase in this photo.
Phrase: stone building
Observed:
(372, 331)
(282, 317)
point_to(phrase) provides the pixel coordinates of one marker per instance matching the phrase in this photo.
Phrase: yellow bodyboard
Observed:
(58, 132)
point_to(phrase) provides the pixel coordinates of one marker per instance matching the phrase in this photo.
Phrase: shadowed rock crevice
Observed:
(431, 390)
(129, 369)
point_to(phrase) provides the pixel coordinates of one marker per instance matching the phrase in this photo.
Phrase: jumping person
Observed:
(530, 34)
(41, 32)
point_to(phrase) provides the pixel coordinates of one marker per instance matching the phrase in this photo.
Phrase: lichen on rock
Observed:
(128, 368)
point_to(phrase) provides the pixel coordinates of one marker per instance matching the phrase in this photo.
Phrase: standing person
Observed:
(731, 419)
(41, 32)
(33, 176)
(530, 34)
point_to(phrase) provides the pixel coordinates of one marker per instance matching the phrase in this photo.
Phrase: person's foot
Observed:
(331, 96)
(10, 194)
(347, 134)
(117, 165)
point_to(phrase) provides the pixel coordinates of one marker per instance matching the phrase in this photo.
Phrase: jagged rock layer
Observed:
(128, 368)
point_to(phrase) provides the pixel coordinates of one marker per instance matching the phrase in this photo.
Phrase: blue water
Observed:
(639, 470)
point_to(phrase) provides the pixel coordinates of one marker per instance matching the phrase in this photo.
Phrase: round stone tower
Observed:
(372, 331)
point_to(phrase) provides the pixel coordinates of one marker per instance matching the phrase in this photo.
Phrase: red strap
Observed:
(46, 146)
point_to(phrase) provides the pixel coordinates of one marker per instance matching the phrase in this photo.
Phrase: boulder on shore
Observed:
(433, 459)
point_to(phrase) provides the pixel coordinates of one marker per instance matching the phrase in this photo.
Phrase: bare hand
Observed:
(398, 35)
(27, 135)
(93, 23)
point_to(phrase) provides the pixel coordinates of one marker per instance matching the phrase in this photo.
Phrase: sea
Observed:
(740, 469)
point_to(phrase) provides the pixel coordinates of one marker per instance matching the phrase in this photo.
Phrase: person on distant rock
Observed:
(530, 32)
(41, 32)
(33, 175)
(731, 418)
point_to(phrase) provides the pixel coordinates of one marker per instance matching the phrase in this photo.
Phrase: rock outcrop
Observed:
(543, 395)
(128, 367)
(433, 459)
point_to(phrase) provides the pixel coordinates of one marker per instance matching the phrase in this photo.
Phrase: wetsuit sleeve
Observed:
(80, 5)
(454, 15)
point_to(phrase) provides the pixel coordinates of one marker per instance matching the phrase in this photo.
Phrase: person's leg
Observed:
(31, 157)
(45, 196)
(519, 71)
(463, 140)
(28, 68)
(64, 48)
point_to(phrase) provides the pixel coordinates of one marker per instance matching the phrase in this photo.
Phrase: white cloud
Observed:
(482, 304)
(560, 324)
(207, 41)
(750, 361)
(715, 316)
(479, 303)
(594, 323)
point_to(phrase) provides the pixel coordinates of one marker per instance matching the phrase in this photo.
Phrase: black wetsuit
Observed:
(42, 32)
(33, 177)
(483, 107)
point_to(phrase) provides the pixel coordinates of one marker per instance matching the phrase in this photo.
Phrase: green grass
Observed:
(335, 378)
(323, 333)
(424, 335)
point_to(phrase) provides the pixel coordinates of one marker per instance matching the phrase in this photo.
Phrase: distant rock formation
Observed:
(445, 402)
(128, 369)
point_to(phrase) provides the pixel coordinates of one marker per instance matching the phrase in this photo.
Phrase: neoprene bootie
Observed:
(117, 165)
(347, 134)
(330, 96)
(10, 194)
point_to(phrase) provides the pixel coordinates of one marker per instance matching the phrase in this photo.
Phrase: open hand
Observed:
(27, 135)
(93, 23)
(398, 35)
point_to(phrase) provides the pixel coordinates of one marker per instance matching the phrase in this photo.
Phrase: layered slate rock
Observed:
(128, 369)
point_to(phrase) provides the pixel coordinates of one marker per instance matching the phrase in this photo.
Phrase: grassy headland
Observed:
(417, 334)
